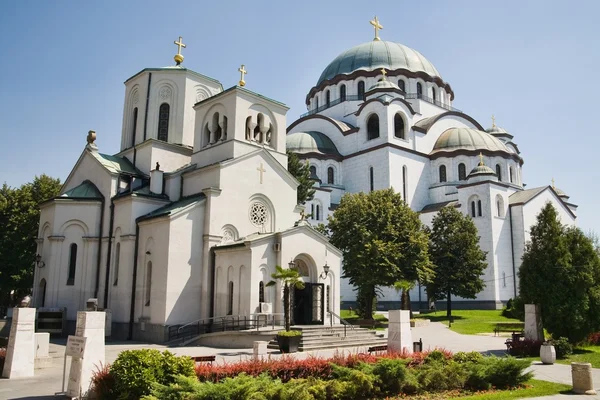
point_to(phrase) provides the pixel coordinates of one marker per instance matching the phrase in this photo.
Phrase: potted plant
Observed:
(288, 340)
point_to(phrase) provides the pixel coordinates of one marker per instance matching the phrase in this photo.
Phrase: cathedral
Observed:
(189, 220)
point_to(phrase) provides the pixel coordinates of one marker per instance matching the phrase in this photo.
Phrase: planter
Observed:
(547, 354)
(288, 344)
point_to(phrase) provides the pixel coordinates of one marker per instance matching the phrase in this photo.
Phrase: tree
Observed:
(301, 172)
(290, 278)
(561, 272)
(19, 220)
(459, 262)
(404, 287)
(382, 241)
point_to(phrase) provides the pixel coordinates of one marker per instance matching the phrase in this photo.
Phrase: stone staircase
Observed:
(319, 337)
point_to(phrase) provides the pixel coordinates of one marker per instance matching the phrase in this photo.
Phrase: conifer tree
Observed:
(301, 172)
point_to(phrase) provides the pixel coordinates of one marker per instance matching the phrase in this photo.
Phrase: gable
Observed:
(87, 168)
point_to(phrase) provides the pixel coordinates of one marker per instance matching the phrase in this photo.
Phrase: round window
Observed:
(258, 214)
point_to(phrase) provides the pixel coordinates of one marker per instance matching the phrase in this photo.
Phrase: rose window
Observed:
(258, 214)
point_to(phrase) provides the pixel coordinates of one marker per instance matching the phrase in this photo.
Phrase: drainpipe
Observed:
(133, 284)
(512, 250)
(147, 102)
(99, 257)
(212, 261)
(110, 235)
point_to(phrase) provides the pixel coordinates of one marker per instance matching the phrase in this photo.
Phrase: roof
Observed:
(375, 55)
(525, 196)
(87, 190)
(423, 125)
(311, 142)
(176, 68)
(116, 164)
(241, 89)
(438, 206)
(481, 170)
(498, 131)
(384, 84)
(174, 207)
(469, 139)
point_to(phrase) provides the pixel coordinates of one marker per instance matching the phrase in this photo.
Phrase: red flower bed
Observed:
(594, 338)
(288, 367)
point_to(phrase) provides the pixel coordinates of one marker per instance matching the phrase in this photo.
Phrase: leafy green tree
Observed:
(459, 262)
(289, 278)
(301, 172)
(19, 220)
(382, 241)
(561, 272)
(404, 288)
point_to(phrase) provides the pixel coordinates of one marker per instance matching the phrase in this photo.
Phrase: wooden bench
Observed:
(376, 349)
(508, 327)
(199, 359)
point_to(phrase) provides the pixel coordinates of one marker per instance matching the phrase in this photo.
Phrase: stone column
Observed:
(20, 353)
(399, 334)
(90, 324)
(533, 322)
(582, 378)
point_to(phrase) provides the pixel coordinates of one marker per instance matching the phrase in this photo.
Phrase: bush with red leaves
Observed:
(525, 348)
(594, 338)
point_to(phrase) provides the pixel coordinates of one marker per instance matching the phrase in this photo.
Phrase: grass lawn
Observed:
(352, 318)
(588, 354)
(469, 322)
(534, 388)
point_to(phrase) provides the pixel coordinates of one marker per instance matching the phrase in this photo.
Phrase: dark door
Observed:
(308, 304)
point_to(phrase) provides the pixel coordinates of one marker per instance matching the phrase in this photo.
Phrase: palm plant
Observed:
(289, 278)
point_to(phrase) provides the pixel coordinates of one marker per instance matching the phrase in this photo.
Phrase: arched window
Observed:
(373, 127)
(503, 279)
(328, 298)
(499, 172)
(117, 261)
(510, 174)
(261, 292)
(473, 209)
(135, 116)
(343, 93)
(371, 183)
(318, 213)
(316, 103)
(433, 94)
(42, 293)
(402, 85)
(419, 90)
(499, 206)
(399, 127)
(148, 283)
(361, 89)
(72, 264)
(462, 172)
(479, 208)
(405, 183)
(313, 171)
(230, 298)
(163, 122)
(327, 99)
(442, 173)
(330, 172)
(312, 211)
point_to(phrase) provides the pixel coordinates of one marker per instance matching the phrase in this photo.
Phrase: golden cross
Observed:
(481, 159)
(383, 73)
(179, 57)
(493, 121)
(261, 170)
(243, 72)
(377, 26)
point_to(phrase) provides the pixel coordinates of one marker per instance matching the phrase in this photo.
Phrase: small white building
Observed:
(189, 220)
(381, 116)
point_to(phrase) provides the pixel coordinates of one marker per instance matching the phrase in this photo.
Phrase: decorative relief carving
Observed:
(164, 93)
(136, 97)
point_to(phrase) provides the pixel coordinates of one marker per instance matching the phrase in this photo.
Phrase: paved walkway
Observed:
(436, 335)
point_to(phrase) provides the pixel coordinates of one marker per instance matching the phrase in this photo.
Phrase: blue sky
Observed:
(534, 64)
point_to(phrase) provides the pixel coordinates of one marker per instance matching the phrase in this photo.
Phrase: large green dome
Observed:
(375, 55)
(311, 142)
(467, 139)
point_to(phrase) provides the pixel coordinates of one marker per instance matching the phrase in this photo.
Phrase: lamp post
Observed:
(325, 271)
(38, 261)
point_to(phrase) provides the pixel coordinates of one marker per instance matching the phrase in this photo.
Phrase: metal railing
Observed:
(220, 324)
(408, 96)
(342, 321)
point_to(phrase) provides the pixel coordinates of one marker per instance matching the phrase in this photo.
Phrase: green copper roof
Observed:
(87, 190)
(174, 207)
(116, 164)
(384, 85)
(467, 139)
(481, 170)
(311, 142)
(376, 55)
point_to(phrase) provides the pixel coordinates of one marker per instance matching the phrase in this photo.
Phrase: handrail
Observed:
(342, 321)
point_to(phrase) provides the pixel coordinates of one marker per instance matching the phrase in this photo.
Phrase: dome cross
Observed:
(243, 72)
(481, 159)
(384, 73)
(377, 26)
(179, 57)
(493, 121)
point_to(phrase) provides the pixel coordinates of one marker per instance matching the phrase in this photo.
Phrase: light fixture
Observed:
(38, 261)
(291, 264)
(148, 252)
(325, 271)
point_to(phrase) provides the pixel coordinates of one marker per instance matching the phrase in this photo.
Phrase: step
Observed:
(340, 344)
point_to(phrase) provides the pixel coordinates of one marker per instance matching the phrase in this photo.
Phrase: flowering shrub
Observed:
(594, 338)
(525, 348)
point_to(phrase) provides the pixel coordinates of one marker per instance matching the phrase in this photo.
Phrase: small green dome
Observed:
(467, 139)
(376, 55)
(384, 85)
(311, 142)
(481, 170)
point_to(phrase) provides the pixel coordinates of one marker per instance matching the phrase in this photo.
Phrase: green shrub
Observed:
(360, 385)
(515, 308)
(463, 357)
(435, 356)
(436, 376)
(289, 333)
(506, 372)
(135, 371)
(391, 375)
(562, 347)
(304, 389)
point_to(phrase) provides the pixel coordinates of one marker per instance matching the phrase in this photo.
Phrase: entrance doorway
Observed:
(308, 304)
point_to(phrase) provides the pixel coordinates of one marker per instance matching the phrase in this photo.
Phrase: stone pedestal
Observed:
(399, 334)
(582, 378)
(260, 349)
(533, 322)
(90, 324)
(20, 353)
(42, 350)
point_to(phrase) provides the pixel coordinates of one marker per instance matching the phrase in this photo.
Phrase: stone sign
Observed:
(399, 334)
